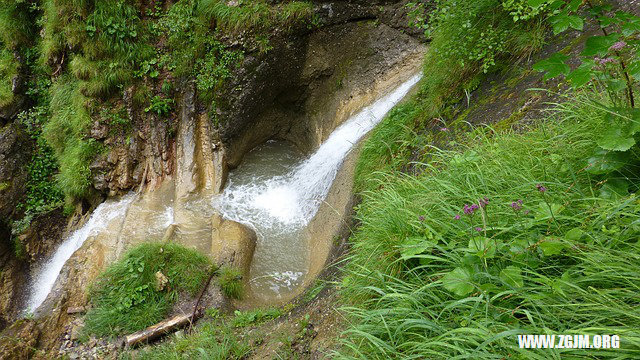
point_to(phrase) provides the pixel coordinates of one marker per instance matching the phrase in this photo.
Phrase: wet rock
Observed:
(15, 152)
(99, 131)
(19, 341)
(232, 243)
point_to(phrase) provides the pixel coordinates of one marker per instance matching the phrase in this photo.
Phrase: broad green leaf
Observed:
(574, 5)
(458, 281)
(551, 246)
(467, 157)
(564, 21)
(482, 247)
(414, 246)
(512, 276)
(599, 45)
(634, 69)
(630, 28)
(544, 211)
(581, 76)
(616, 138)
(614, 189)
(489, 288)
(574, 234)
(553, 66)
(605, 161)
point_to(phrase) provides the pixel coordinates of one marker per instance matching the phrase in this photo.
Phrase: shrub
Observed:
(125, 298)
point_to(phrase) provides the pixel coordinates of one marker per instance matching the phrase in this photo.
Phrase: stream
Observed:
(276, 190)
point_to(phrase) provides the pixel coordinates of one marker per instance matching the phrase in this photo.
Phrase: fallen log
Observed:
(159, 329)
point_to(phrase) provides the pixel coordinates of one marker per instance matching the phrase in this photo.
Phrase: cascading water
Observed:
(275, 191)
(278, 207)
(104, 216)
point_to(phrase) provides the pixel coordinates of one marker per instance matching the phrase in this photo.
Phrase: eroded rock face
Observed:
(15, 152)
(232, 243)
(307, 85)
(20, 340)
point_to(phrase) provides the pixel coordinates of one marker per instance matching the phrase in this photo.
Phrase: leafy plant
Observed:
(125, 297)
(609, 64)
(159, 105)
(498, 237)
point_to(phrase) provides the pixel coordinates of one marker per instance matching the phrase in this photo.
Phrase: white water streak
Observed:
(104, 215)
(292, 200)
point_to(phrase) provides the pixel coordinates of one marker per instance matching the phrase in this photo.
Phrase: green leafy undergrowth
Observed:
(507, 235)
(66, 131)
(125, 298)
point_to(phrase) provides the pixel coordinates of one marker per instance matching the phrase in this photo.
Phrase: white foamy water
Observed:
(294, 198)
(279, 207)
(104, 215)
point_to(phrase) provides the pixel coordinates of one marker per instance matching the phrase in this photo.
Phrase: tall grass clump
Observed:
(127, 296)
(16, 23)
(65, 131)
(8, 70)
(510, 234)
(254, 15)
(230, 281)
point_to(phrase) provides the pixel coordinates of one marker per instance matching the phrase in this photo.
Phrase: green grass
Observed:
(125, 298)
(213, 340)
(8, 70)
(422, 284)
(65, 132)
(254, 15)
(230, 281)
(220, 337)
(254, 317)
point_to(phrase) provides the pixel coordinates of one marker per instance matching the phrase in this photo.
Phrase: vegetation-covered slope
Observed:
(502, 233)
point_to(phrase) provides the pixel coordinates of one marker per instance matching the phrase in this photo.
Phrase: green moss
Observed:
(4, 186)
(125, 298)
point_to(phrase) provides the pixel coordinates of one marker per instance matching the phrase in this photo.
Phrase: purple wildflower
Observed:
(517, 205)
(526, 212)
(541, 188)
(467, 210)
(444, 129)
(457, 217)
(484, 202)
(603, 61)
(618, 46)
(478, 229)
(421, 218)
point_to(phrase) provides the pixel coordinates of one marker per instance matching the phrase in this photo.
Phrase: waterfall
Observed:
(279, 207)
(293, 199)
(104, 215)
(277, 204)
